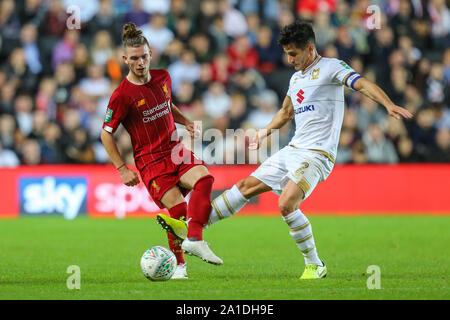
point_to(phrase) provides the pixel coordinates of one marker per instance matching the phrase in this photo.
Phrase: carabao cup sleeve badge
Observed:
(108, 116)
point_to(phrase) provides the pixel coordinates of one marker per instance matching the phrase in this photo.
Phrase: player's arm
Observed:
(377, 94)
(180, 118)
(129, 177)
(283, 116)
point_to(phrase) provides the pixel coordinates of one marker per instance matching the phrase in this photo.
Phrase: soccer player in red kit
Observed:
(142, 103)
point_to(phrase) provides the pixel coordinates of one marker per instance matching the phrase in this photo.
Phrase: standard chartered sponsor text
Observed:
(160, 106)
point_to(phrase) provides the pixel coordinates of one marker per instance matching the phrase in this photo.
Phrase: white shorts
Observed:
(306, 168)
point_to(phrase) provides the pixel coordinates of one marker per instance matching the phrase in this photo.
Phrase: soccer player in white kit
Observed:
(315, 99)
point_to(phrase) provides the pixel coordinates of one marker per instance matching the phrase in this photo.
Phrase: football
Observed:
(158, 263)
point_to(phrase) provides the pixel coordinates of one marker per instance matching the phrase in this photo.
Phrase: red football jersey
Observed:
(145, 112)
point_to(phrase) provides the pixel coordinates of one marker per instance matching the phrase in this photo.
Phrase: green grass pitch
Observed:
(261, 260)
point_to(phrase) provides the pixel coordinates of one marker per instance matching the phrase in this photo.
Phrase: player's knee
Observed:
(286, 206)
(205, 182)
(245, 187)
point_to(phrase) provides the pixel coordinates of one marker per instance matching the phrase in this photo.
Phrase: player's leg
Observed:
(235, 198)
(305, 170)
(265, 178)
(200, 181)
(300, 229)
(174, 202)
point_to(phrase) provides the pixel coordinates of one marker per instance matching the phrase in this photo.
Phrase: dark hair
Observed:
(132, 36)
(299, 33)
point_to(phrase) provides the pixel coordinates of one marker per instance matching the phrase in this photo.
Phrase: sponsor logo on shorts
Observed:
(154, 185)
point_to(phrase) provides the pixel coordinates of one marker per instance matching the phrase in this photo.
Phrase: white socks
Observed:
(301, 232)
(226, 205)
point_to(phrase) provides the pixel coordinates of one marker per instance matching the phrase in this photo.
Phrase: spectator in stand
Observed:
(8, 158)
(152, 7)
(440, 150)
(307, 9)
(30, 152)
(325, 33)
(344, 44)
(217, 103)
(423, 132)
(253, 26)
(435, 84)
(95, 84)
(102, 48)
(23, 107)
(65, 49)
(268, 51)
(440, 19)
(157, 33)
(17, 69)
(28, 37)
(186, 69)
(242, 55)
(201, 46)
(406, 151)
(183, 29)
(55, 20)
(9, 28)
(217, 33)
(51, 149)
(8, 127)
(7, 95)
(180, 9)
(234, 21)
(238, 111)
(267, 104)
(40, 122)
(32, 12)
(106, 19)
(369, 112)
(137, 15)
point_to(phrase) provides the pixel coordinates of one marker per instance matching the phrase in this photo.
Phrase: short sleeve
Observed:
(115, 112)
(344, 74)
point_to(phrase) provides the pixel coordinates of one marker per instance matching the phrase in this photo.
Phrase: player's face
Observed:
(299, 58)
(138, 60)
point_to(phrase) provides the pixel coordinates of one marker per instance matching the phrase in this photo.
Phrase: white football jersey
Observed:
(317, 96)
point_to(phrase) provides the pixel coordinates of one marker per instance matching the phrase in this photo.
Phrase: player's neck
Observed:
(311, 60)
(138, 80)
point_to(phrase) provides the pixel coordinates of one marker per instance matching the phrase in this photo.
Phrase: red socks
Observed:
(177, 212)
(199, 207)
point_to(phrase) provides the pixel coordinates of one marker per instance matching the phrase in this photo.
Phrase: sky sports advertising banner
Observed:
(97, 191)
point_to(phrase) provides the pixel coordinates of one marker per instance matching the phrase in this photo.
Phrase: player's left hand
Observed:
(193, 129)
(399, 112)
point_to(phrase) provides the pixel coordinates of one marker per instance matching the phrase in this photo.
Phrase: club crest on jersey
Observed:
(315, 74)
(166, 91)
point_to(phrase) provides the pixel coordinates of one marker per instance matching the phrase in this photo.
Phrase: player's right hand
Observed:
(129, 177)
(254, 142)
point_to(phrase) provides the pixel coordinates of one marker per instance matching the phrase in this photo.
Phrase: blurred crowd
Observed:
(227, 70)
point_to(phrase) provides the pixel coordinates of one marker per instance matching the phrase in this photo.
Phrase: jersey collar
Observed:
(312, 64)
(141, 84)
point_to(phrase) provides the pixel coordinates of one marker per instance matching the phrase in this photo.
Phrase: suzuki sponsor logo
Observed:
(46, 195)
(304, 109)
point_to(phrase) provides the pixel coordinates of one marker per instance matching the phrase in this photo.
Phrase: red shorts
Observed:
(163, 174)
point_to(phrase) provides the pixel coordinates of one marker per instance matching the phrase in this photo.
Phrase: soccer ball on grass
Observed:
(158, 263)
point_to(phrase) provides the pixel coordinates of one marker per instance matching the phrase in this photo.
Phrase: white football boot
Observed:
(200, 249)
(180, 272)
